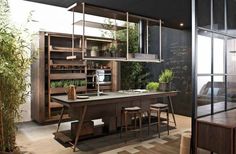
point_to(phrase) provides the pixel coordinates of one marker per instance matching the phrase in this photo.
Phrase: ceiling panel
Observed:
(172, 12)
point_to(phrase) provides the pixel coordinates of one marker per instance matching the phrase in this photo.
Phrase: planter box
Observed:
(145, 56)
(87, 129)
(165, 86)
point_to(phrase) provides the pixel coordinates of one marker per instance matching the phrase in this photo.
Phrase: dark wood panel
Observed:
(216, 133)
(215, 138)
(38, 83)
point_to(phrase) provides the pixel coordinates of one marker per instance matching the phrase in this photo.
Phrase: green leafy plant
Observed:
(110, 32)
(152, 86)
(53, 84)
(133, 74)
(14, 70)
(166, 76)
(83, 83)
(60, 84)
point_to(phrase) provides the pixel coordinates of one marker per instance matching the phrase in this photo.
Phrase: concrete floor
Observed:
(36, 139)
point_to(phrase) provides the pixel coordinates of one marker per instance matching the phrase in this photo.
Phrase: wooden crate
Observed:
(87, 129)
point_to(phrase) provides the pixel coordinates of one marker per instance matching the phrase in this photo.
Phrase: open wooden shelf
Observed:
(63, 90)
(99, 25)
(67, 76)
(55, 118)
(55, 105)
(67, 65)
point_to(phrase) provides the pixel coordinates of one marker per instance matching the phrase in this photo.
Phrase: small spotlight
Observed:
(181, 24)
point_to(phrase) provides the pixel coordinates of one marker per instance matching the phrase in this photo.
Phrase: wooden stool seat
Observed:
(135, 108)
(159, 105)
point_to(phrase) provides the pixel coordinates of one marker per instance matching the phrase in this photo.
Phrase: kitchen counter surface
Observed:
(111, 95)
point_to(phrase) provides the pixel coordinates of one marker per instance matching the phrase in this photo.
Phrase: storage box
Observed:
(145, 56)
(87, 129)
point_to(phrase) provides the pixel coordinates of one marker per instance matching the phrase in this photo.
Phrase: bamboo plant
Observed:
(14, 67)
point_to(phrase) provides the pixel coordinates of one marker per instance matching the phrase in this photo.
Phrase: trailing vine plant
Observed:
(14, 67)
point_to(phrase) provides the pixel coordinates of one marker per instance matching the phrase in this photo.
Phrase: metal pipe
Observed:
(147, 36)
(140, 36)
(160, 52)
(97, 82)
(73, 32)
(127, 35)
(83, 40)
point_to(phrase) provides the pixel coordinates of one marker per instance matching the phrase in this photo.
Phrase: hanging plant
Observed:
(14, 67)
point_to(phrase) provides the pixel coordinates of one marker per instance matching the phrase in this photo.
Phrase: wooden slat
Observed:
(62, 137)
(62, 90)
(68, 76)
(55, 105)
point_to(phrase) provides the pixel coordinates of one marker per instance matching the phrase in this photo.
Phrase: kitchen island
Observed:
(108, 107)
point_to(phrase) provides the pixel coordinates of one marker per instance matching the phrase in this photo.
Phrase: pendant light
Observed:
(72, 40)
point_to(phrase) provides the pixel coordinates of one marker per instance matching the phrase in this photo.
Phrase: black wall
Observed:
(176, 51)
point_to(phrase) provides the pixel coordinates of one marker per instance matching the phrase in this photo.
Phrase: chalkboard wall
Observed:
(176, 51)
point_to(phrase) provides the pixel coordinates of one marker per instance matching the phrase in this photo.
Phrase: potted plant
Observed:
(113, 50)
(165, 80)
(94, 51)
(14, 66)
(152, 86)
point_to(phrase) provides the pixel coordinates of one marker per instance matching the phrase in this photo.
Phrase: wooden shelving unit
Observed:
(59, 46)
(52, 72)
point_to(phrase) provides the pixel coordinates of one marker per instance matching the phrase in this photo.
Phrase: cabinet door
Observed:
(215, 138)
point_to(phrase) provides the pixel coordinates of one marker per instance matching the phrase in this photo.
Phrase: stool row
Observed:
(136, 112)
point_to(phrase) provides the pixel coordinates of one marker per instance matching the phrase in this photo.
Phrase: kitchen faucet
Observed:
(97, 82)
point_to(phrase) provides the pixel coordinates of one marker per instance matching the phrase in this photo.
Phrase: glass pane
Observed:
(204, 55)
(218, 15)
(203, 95)
(219, 93)
(204, 13)
(218, 55)
(231, 56)
(231, 23)
(231, 91)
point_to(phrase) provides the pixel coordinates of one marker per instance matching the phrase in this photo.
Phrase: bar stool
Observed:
(158, 108)
(134, 111)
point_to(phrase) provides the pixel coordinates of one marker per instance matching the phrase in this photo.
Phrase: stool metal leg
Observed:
(167, 112)
(126, 125)
(159, 122)
(121, 123)
(140, 125)
(149, 121)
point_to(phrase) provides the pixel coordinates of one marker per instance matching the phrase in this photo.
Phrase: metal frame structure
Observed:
(195, 75)
(128, 15)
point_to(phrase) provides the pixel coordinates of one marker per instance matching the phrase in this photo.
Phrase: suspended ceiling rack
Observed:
(123, 16)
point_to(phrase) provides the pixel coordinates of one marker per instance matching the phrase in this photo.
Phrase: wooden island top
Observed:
(103, 99)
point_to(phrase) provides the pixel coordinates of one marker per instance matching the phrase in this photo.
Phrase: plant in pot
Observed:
(14, 84)
(152, 86)
(113, 50)
(94, 51)
(165, 80)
